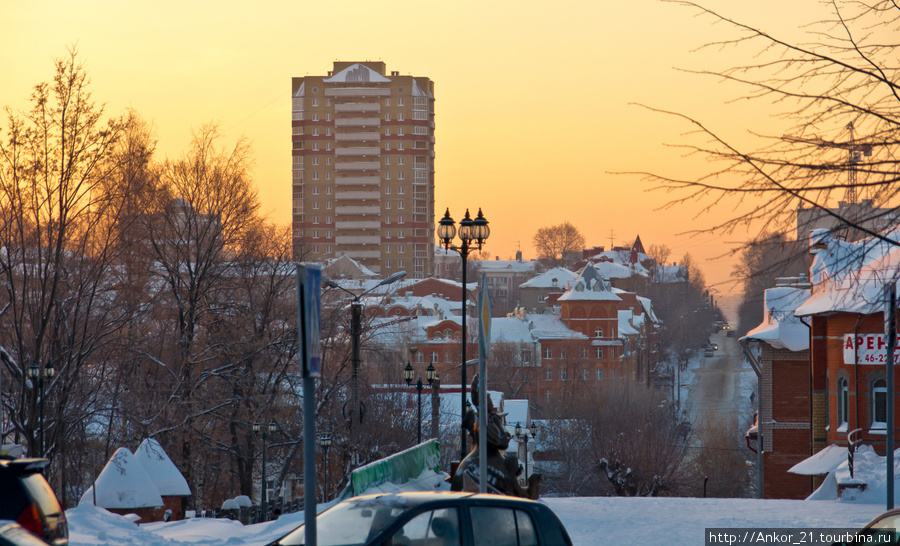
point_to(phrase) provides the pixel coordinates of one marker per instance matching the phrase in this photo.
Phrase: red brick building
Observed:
(784, 385)
(815, 396)
(848, 348)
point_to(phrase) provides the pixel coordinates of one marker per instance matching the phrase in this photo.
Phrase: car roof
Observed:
(421, 497)
(25, 466)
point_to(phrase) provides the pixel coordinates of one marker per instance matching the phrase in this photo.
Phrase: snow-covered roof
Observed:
(161, 469)
(670, 274)
(346, 263)
(647, 305)
(850, 277)
(532, 328)
(561, 275)
(625, 327)
(357, 73)
(516, 412)
(489, 266)
(417, 91)
(622, 256)
(822, 462)
(123, 483)
(589, 285)
(612, 270)
(781, 328)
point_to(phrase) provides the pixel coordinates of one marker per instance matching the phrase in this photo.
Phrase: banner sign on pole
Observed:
(310, 277)
(484, 319)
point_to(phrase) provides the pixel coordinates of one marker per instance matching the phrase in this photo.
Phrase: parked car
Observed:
(28, 500)
(881, 530)
(13, 534)
(708, 352)
(434, 518)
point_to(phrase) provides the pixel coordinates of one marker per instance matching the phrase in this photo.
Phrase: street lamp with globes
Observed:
(325, 443)
(472, 235)
(34, 372)
(429, 376)
(262, 495)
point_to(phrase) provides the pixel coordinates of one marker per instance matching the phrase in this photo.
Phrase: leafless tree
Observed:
(202, 219)
(559, 245)
(507, 372)
(659, 253)
(62, 175)
(622, 439)
(840, 94)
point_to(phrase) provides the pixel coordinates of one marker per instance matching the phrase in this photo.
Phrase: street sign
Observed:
(309, 281)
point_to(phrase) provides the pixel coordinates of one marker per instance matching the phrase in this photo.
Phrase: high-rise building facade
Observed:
(363, 168)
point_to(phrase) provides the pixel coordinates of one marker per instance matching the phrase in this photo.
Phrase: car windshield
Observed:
(352, 522)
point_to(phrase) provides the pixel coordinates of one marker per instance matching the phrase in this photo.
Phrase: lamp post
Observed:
(524, 437)
(471, 233)
(429, 376)
(34, 372)
(325, 443)
(262, 494)
(356, 313)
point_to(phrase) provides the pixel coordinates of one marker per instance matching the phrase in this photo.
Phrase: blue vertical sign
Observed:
(309, 280)
(484, 320)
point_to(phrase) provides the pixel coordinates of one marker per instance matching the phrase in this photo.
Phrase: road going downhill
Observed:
(715, 391)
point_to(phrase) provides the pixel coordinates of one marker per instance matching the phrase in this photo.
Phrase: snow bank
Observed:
(822, 462)
(89, 524)
(589, 520)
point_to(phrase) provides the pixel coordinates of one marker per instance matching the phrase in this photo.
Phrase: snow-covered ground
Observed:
(606, 520)
(590, 521)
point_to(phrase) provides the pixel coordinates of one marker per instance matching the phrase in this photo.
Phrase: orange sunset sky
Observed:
(534, 108)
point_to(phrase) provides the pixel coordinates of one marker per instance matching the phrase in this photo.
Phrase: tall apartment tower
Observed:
(363, 168)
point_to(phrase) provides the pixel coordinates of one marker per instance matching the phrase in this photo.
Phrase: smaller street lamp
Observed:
(34, 372)
(523, 435)
(262, 494)
(429, 376)
(325, 443)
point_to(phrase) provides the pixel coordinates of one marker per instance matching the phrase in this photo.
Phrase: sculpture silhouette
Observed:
(502, 469)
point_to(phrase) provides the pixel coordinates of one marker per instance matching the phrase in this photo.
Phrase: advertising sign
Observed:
(868, 349)
(309, 279)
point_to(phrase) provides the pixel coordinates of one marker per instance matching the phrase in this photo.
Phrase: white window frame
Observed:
(843, 403)
(878, 392)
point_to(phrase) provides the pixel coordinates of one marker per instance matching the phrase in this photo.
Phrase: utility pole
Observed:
(890, 320)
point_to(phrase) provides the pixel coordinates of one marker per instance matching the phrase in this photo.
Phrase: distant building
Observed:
(363, 168)
(598, 334)
(538, 295)
(504, 278)
(863, 213)
(625, 267)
